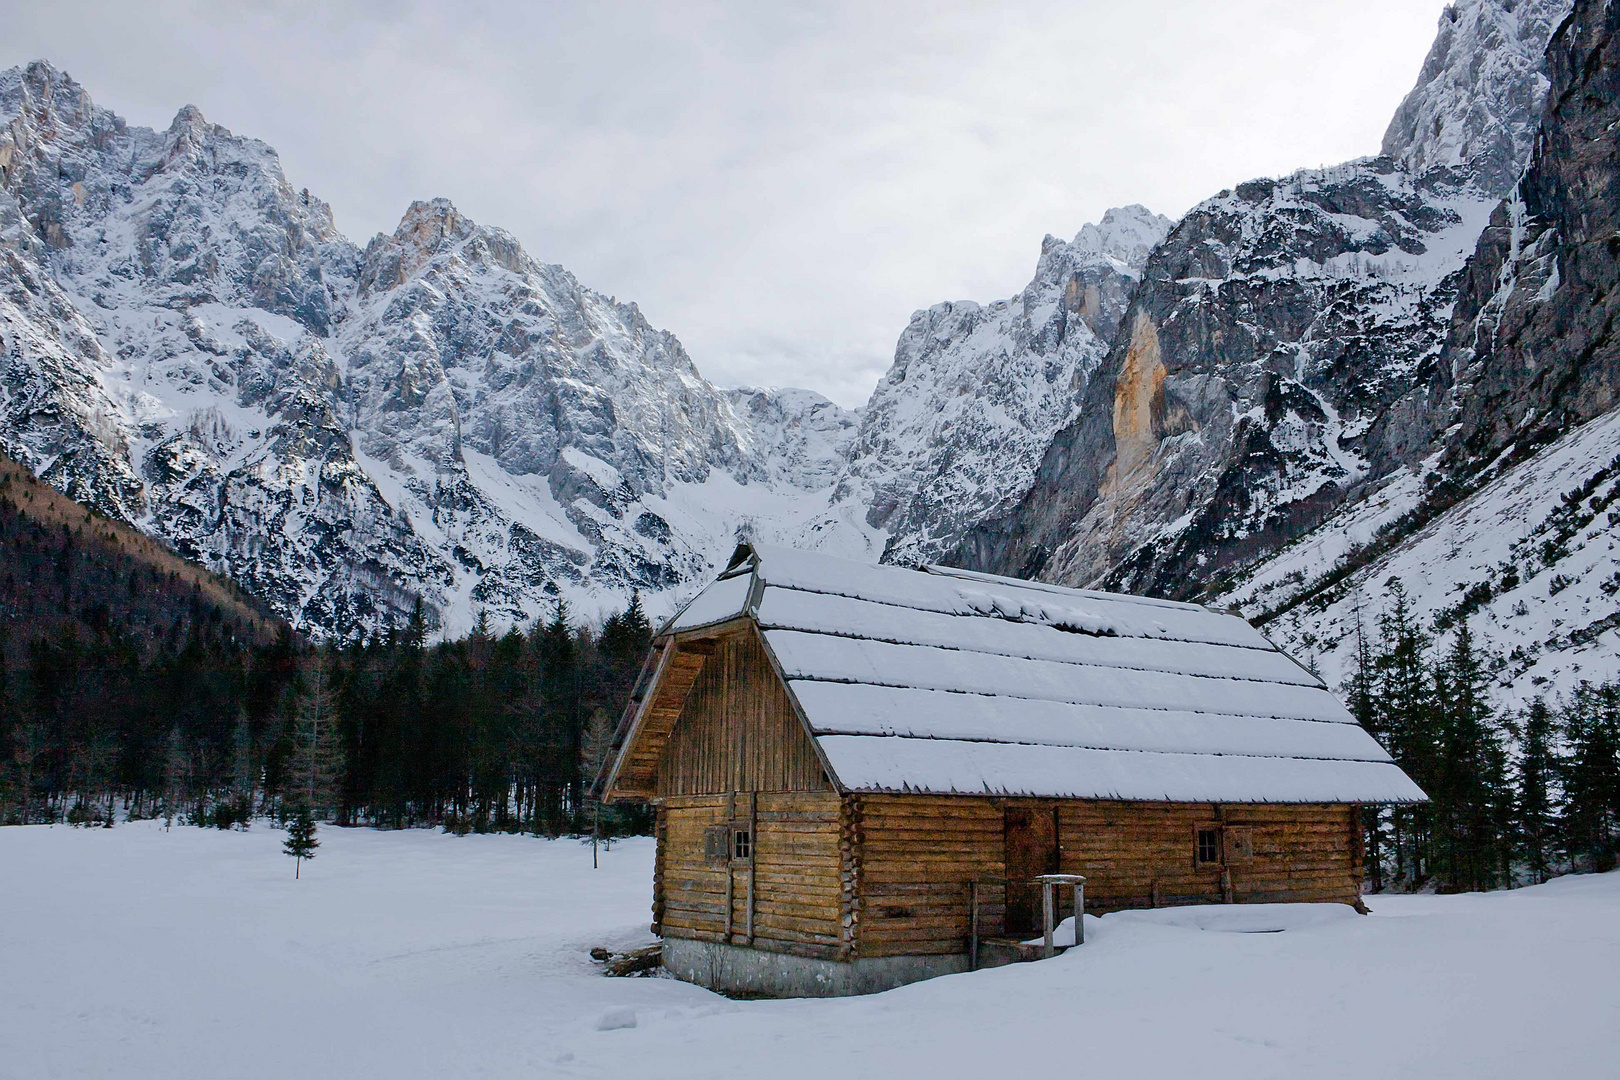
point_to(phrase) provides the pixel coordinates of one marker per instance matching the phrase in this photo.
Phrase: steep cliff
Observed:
(1282, 356)
(955, 429)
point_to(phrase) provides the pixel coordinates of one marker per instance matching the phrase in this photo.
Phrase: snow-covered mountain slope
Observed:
(1530, 559)
(190, 345)
(1281, 357)
(1477, 99)
(1279, 354)
(955, 429)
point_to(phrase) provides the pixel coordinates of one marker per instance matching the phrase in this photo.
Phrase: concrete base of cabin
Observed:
(735, 969)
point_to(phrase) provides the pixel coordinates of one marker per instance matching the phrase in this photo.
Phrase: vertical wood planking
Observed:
(738, 730)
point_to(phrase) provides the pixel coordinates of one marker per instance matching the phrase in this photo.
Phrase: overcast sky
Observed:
(780, 185)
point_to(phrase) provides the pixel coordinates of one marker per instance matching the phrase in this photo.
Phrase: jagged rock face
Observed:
(954, 431)
(190, 345)
(804, 437)
(1533, 341)
(1279, 352)
(1282, 352)
(1479, 95)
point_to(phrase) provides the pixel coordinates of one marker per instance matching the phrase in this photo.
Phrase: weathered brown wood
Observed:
(753, 832)
(677, 672)
(844, 875)
(738, 730)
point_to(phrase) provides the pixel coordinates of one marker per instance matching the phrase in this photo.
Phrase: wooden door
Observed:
(1029, 836)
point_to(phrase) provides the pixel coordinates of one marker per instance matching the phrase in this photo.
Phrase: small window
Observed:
(1209, 846)
(717, 844)
(742, 846)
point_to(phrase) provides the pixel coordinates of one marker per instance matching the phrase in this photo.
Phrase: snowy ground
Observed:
(138, 953)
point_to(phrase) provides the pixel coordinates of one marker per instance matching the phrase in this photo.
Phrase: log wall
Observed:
(793, 870)
(917, 859)
(738, 730)
(918, 854)
(1132, 853)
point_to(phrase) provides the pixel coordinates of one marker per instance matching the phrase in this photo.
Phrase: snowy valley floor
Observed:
(139, 953)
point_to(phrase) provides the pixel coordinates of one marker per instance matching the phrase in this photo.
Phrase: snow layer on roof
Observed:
(852, 709)
(722, 600)
(960, 593)
(950, 681)
(949, 766)
(839, 659)
(789, 609)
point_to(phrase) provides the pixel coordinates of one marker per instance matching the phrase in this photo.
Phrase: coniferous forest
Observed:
(137, 685)
(134, 684)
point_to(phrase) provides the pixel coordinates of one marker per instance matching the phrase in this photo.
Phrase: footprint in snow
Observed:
(614, 1019)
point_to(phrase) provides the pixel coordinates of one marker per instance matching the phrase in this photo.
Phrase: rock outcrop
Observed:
(1282, 355)
(191, 346)
(955, 429)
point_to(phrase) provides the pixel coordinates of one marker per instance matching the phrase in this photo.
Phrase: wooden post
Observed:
(1079, 912)
(753, 852)
(731, 818)
(973, 925)
(1047, 905)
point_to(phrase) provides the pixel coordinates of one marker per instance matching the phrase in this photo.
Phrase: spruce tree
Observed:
(1591, 773)
(1360, 691)
(176, 772)
(1533, 788)
(301, 842)
(596, 747)
(1471, 800)
(242, 769)
(316, 766)
(1406, 688)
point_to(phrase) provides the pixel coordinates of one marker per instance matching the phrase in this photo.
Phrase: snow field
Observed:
(138, 953)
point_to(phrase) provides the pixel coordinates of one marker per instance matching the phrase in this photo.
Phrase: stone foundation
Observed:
(734, 969)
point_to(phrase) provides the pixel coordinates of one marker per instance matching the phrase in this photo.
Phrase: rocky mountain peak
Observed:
(1477, 102)
(428, 226)
(1125, 233)
(955, 429)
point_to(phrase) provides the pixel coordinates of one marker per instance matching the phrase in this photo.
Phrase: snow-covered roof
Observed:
(949, 681)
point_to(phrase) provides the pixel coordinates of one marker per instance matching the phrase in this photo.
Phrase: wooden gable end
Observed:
(677, 669)
(739, 729)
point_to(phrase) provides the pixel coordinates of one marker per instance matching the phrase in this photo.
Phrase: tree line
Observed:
(133, 684)
(492, 732)
(1515, 797)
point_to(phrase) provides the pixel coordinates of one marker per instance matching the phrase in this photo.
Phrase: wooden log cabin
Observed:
(856, 767)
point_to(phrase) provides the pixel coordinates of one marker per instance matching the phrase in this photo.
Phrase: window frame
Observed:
(1218, 846)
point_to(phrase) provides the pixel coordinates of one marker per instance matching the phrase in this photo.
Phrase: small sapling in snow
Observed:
(301, 842)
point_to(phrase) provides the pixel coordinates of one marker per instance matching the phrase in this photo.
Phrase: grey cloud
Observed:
(780, 185)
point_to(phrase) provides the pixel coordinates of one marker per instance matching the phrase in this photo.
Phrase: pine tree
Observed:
(1361, 694)
(596, 748)
(1471, 799)
(627, 634)
(1406, 689)
(1533, 784)
(301, 842)
(1591, 773)
(242, 769)
(317, 758)
(176, 772)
